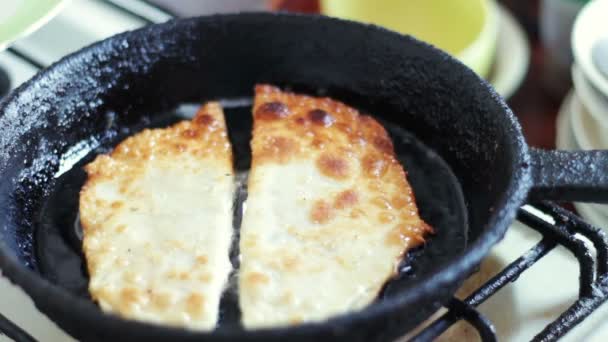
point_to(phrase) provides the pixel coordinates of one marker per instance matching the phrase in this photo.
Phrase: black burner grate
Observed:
(5, 82)
(593, 287)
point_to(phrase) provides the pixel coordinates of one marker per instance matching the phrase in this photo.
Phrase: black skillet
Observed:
(465, 154)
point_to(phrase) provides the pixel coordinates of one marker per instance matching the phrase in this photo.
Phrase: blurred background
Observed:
(547, 58)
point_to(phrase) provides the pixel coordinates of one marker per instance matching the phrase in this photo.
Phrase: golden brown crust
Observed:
(192, 146)
(321, 212)
(291, 126)
(329, 207)
(346, 199)
(203, 136)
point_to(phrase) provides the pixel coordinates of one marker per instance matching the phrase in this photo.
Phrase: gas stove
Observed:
(547, 278)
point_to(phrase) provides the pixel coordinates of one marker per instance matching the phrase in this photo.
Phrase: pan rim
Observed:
(519, 184)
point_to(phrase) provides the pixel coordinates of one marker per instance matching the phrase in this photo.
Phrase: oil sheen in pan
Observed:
(59, 235)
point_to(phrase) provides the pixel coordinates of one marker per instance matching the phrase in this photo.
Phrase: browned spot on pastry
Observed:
(272, 111)
(356, 213)
(256, 278)
(178, 147)
(160, 300)
(385, 217)
(204, 120)
(318, 143)
(333, 166)
(401, 201)
(374, 185)
(381, 202)
(367, 120)
(295, 319)
(344, 127)
(117, 204)
(129, 295)
(279, 149)
(347, 198)
(406, 235)
(190, 133)
(205, 277)
(374, 166)
(201, 259)
(383, 144)
(321, 212)
(398, 236)
(195, 304)
(121, 228)
(321, 117)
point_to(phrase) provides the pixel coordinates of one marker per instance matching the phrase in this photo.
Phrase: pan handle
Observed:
(580, 176)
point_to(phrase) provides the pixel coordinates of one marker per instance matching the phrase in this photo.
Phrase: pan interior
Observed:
(58, 234)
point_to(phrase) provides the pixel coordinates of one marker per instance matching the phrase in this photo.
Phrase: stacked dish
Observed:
(583, 119)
